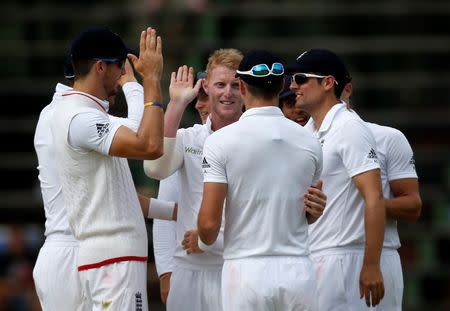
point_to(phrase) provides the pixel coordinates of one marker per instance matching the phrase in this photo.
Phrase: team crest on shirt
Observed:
(138, 300)
(373, 155)
(102, 129)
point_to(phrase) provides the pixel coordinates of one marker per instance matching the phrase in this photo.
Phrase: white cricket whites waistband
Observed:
(352, 249)
(60, 240)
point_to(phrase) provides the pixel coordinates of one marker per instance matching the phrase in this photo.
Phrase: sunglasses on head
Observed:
(262, 70)
(120, 62)
(302, 78)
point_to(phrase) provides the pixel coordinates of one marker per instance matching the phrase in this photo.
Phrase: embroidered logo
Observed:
(138, 297)
(106, 304)
(102, 129)
(412, 162)
(205, 164)
(372, 154)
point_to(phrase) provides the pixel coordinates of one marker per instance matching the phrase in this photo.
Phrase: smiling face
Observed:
(222, 88)
(308, 94)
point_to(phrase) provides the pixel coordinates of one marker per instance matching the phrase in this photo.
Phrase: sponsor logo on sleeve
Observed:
(372, 155)
(102, 129)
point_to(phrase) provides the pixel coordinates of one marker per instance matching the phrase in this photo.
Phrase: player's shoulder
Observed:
(388, 133)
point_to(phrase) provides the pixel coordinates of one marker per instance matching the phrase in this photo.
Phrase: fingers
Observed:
(142, 42)
(158, 45)
(319, 184)
(150, 42)
(190, 77)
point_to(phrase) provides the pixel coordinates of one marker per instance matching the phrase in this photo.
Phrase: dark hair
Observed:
(82, 67)
(266, 93)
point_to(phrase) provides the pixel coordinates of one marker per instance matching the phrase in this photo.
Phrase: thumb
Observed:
(319, 184)
(133, 58)
(198, 85)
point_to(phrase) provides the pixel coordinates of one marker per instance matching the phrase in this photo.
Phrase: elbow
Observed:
(415, 215)
(154, 151)
(208, 231)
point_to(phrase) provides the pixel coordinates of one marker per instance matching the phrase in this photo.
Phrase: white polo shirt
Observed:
(268, 163)
(189, 144)
(397, 162)
(349, 149)
(56, 222)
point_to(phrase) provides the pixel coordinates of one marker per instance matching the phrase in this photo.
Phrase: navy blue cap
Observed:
(98, 43)
(320, 61)
(256, 57)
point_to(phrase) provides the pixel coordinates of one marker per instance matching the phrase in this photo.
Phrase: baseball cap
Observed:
(257, 57)
(286, 92)
(320, 61)
(99, 42)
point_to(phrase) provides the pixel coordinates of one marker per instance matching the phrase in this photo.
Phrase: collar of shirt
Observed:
(266, 111)
(61, 88)
(326, 123)
(104, 104)
(208, 125)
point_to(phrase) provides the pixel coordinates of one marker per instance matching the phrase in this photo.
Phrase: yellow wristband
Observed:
(157, 104)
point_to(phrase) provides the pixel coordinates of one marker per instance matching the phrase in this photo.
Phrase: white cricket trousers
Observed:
(338, 271)
(269, 283)
(120, 286)
(195, 290)
(56, 276)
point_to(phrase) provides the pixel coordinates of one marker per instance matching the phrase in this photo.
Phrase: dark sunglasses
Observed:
(120, 62)
(302, 78)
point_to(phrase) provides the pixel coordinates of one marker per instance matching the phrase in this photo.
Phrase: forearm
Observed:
(374, 222)
(134, 95)
(157, 209)
(172, 118)
(407, 208)
(208, 234)
(164, 245)
(166, 165)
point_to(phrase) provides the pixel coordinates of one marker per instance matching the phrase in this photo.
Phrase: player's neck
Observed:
(318, 114)
(91, 87)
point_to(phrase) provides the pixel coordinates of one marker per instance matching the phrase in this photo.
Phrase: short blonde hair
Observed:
(229, 58)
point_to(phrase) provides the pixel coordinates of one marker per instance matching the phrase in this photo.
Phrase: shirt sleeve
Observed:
(92, 130)
(357, 148)
(400, 157)
(213, 163)
(134, 95)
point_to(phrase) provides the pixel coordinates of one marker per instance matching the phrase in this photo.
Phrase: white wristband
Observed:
(204, 247)
(160, 209)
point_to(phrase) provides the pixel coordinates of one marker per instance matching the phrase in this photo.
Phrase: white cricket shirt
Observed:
(397, 162)
(268, 163)
(349, 149)
(189, 143)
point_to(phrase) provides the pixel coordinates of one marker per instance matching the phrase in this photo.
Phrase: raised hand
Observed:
(150, 61)
(182, 90)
